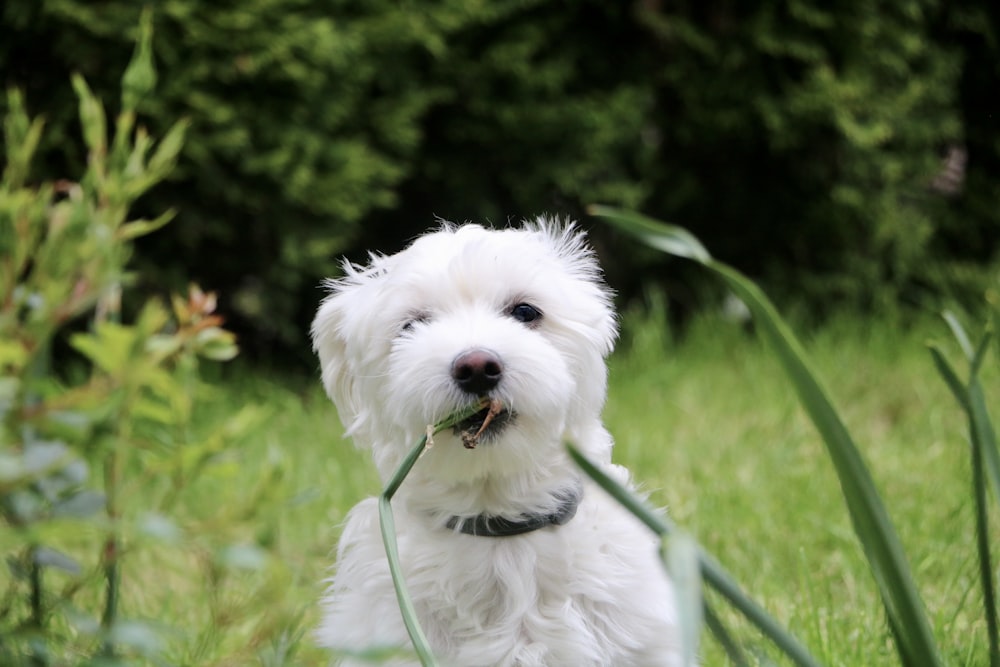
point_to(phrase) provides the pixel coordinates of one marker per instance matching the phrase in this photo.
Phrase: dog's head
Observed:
(520, 316)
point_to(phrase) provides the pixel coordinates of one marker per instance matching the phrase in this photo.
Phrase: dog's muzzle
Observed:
(485, 424)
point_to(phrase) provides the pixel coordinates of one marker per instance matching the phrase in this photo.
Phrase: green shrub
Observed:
(82, 429)
(799, 140)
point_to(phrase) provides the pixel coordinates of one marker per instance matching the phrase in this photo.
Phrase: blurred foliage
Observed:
(803, 141)
(81, 429)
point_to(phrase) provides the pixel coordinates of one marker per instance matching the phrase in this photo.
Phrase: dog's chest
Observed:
(572, 595)
(510, 601)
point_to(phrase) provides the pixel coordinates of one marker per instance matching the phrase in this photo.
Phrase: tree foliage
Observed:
(801, 140)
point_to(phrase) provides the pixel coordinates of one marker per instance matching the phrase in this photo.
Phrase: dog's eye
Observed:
(413, 321)
(525, 312)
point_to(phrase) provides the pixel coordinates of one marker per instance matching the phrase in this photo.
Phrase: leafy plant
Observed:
(73, 420)
(905, 612)
(877, 535)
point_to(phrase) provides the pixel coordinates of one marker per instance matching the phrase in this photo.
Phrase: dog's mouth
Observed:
(484, 425)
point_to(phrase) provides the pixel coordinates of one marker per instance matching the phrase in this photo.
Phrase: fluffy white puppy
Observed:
(511, 557)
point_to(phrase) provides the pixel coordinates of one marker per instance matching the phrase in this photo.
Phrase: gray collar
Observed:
(487, 525)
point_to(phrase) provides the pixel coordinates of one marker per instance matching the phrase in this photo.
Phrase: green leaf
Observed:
(985, 463)
(985, 559)
(729, 645)
(165, 155)
(139, 79)
(875, 531)
(92, 119)
(983, 433)
(216, 344)
(136, 228)
(868, 515)
(672, 240)
(950, 377)
(680, 554)
(80, 505)
(154, 411)
(971, 398)
(109, 347)
(21, 137)
(47, 557)
(959, 332)
(387, 525)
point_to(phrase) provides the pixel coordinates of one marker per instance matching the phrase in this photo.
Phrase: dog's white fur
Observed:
(590, 592)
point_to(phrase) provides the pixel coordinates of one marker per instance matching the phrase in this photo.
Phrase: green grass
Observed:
(711, 430)
(718, 438)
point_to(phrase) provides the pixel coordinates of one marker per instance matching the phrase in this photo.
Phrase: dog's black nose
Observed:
(477, 371)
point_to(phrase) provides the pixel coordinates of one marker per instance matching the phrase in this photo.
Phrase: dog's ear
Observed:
(572, 247)
(335, 341)
(330, 345)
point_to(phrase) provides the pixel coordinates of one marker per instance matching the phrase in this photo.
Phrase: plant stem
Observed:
(112, 574)
(983, 548)
(388, 527)
(109, 309)
(35, 581)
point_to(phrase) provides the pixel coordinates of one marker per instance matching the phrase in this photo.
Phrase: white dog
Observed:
(510, 555)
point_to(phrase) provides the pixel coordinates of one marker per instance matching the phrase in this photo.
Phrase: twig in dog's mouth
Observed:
(470, 439)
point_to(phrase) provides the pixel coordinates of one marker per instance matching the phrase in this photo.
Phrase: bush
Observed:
(74, 423)
(300, 128)
(800, 141)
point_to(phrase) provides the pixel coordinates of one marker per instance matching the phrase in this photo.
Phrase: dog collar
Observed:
(487, 525)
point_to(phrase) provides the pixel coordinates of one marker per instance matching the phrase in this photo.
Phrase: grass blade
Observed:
(983, 434)
(880, 542)
(985, 464)
(680, 555)
(657, 523)
(387, 524)
(671, 240)
(950, 377)
(959, 332)
(977, 358)
(985, 455)
(970, 398)
(732, 649)
(712, 572)
(983, 551)
(871, 522)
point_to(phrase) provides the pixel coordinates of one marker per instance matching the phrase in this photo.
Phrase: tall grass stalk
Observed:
(905, 610)
(985, 460)
(388, 526)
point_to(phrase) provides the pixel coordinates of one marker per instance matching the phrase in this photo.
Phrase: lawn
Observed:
(710, 429)
(714, 432)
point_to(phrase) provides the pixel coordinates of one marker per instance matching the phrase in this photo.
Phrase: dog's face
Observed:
(518, 316)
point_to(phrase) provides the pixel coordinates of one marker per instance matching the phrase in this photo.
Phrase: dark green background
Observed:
(798, 139)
